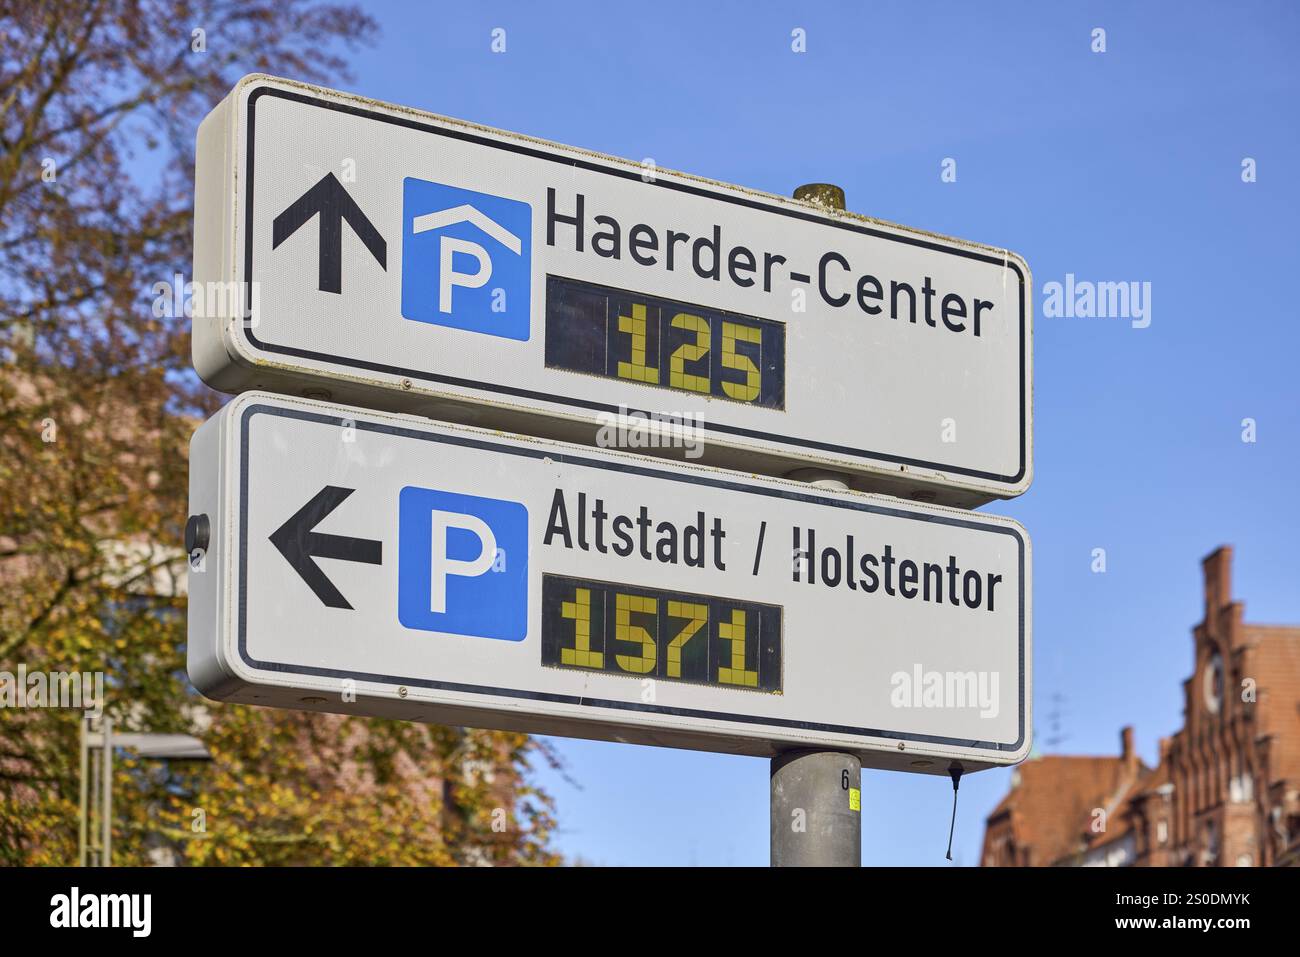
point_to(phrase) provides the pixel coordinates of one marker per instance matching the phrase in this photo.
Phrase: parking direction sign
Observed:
(375, 563)
(396, 259)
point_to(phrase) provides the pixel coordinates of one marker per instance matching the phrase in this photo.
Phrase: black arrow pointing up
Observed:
(300, 545)
(332, 202)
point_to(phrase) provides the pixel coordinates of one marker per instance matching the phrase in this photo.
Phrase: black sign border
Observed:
(630, 467)
(574, 161)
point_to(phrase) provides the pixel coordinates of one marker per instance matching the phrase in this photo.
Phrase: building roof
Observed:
(1048, 816)
(1051, 804)
(1119, 822)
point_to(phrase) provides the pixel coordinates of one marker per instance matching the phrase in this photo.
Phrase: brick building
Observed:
(1226, 789)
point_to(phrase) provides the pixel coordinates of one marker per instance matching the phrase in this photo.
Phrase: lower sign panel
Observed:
(380, 564)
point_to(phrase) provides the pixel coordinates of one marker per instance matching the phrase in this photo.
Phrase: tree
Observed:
(99, 103)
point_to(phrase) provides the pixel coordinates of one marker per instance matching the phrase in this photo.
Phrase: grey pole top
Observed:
(823, 194)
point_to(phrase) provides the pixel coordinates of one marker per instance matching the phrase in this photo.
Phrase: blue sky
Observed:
(1115, 166)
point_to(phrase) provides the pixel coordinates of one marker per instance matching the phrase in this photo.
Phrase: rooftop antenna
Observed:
(1056, 735)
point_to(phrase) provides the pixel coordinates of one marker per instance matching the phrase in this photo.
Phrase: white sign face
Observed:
(401, 260)
(381, 564)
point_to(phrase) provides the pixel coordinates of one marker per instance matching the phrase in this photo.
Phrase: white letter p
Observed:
(448, 277)
(440, 566)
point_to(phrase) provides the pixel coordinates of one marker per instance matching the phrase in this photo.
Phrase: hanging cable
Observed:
(954, 772)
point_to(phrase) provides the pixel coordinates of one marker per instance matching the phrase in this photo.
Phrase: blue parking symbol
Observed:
(462, 564)
(466, 259)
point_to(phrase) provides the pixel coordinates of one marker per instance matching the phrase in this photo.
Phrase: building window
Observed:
(1213, 684)
(1241, 789)
(1162, 832)
(1245, 860)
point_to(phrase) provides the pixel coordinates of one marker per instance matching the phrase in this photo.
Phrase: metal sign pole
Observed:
(83, 806)
(816, 809)
(94, 804)
(106, 763)
(816, 796)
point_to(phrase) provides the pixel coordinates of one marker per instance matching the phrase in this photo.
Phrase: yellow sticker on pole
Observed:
(855, 799)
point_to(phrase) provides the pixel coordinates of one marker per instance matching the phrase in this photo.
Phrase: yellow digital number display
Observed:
(631, 337)
(649, 632)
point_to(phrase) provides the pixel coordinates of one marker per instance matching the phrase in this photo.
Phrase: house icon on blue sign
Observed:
(466, 259)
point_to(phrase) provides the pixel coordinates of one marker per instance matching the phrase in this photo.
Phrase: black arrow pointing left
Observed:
(329, 200)
(300, 545)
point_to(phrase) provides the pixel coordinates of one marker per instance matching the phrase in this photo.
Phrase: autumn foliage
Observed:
(99, 103)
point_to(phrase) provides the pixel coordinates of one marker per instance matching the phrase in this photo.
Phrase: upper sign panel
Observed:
(402, 260)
